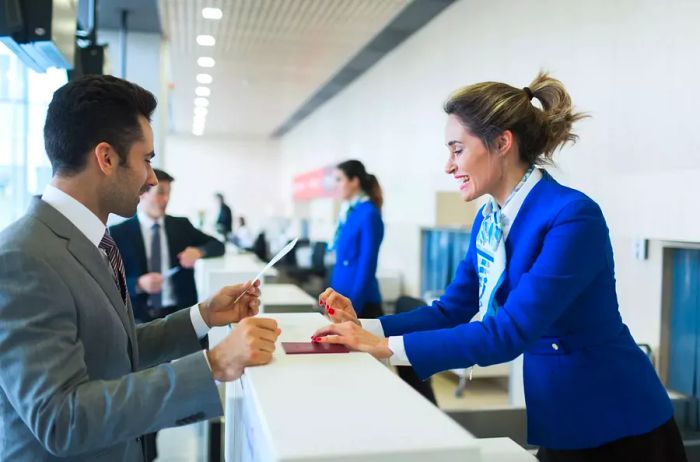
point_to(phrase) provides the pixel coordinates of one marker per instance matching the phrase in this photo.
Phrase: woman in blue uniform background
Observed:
(539, 279)
(357, 239)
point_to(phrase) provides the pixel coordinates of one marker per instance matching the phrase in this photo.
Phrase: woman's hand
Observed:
(355, 338)
(338, 308)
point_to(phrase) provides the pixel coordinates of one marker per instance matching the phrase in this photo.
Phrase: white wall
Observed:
(146, 65)
(632, 64)
(246, 172)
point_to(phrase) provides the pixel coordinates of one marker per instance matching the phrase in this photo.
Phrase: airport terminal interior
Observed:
(394, 230)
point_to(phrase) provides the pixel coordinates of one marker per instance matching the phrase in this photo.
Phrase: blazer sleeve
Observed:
(166, 339)
(371, 237)
(456, 306)
(45, 378)
(210, 246)
(575, 250)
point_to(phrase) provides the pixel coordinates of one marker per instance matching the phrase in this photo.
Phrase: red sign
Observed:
(314, 184)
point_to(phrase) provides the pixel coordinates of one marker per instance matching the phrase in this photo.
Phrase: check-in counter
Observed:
(286, 298)
(211, 274)
(343, 407)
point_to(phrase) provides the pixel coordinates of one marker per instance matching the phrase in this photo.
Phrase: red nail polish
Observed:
(316, 339)
(331, 311)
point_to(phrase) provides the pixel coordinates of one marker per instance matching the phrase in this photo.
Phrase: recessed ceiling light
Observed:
(202, 91)
(206, 61)
(205, 79)
(201, 102)
(206, 40)
(212, 13)
(200, 111)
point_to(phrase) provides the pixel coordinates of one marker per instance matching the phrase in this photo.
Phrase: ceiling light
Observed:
(201, 111)
(201, 102)
(202, 91)
(206, 61)
(212, 13)
(206, 40)
(205, 79)
(198, 131)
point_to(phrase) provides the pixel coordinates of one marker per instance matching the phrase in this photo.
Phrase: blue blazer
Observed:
(586, 381)
(357, 252)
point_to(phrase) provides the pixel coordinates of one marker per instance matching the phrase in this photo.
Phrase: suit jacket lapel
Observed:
(91, 258)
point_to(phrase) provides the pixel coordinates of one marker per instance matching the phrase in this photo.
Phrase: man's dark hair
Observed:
(92, 110)
(219, 196)
(163, 176)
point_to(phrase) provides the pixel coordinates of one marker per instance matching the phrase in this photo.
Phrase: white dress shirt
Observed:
(509, 213)
(146, 223)
(93, 229)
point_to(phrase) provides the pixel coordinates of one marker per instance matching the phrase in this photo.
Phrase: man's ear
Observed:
(106, 157)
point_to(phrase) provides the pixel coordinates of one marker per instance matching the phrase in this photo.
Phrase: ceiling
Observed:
(271, 56)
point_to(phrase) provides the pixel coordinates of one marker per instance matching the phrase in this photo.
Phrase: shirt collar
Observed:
(76, 212)
(147, 222)
(510, 211)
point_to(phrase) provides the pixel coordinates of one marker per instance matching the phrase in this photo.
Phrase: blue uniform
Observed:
(357, 252)
(586, 381)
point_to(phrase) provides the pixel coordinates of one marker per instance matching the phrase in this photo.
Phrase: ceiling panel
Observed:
(271, 55)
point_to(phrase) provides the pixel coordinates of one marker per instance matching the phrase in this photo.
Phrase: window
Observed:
(24, 167)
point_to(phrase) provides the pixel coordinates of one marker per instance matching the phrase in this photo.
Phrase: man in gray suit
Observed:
(78, 379)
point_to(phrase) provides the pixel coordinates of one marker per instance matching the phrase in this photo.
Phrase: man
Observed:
(159, 253)
(78, 380)
(224, 222)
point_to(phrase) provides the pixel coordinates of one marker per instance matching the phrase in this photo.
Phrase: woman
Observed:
(539, 272)
(357, 239)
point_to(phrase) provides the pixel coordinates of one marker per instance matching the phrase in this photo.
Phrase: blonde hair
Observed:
(487, 109)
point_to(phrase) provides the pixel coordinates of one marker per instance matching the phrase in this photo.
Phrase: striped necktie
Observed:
(115, 260)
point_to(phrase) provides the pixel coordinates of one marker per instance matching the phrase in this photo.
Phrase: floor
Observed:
(186, 444)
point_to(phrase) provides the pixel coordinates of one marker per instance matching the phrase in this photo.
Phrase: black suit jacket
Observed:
(180, 235)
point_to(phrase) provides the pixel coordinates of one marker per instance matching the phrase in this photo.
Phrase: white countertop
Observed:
(286, 295)
(347, 407)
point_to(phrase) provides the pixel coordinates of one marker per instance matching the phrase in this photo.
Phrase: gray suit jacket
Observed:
(78, 379)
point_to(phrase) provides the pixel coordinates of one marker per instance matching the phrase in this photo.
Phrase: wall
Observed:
(143, 50)
(630, 63)
(246, 172)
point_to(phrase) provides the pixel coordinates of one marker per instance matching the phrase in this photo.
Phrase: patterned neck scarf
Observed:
(491, 251)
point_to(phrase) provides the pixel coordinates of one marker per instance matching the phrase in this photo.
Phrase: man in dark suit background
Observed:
(159, 253)
(224, 222)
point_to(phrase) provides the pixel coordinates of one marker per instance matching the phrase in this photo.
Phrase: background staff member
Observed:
(357, 238)
(153, 244)
(540, 272)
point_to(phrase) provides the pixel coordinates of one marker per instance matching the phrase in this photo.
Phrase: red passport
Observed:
(305, 348)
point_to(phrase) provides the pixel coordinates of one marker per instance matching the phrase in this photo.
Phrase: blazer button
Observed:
(346, 263)
(555, 347)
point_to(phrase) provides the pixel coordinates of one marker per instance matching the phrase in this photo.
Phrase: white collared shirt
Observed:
(509, 214)
(146, 223)
(92, 227)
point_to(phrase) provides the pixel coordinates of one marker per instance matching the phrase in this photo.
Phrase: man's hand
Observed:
(151, 283)
(222, 308)
(189, 256)
(251, 343)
